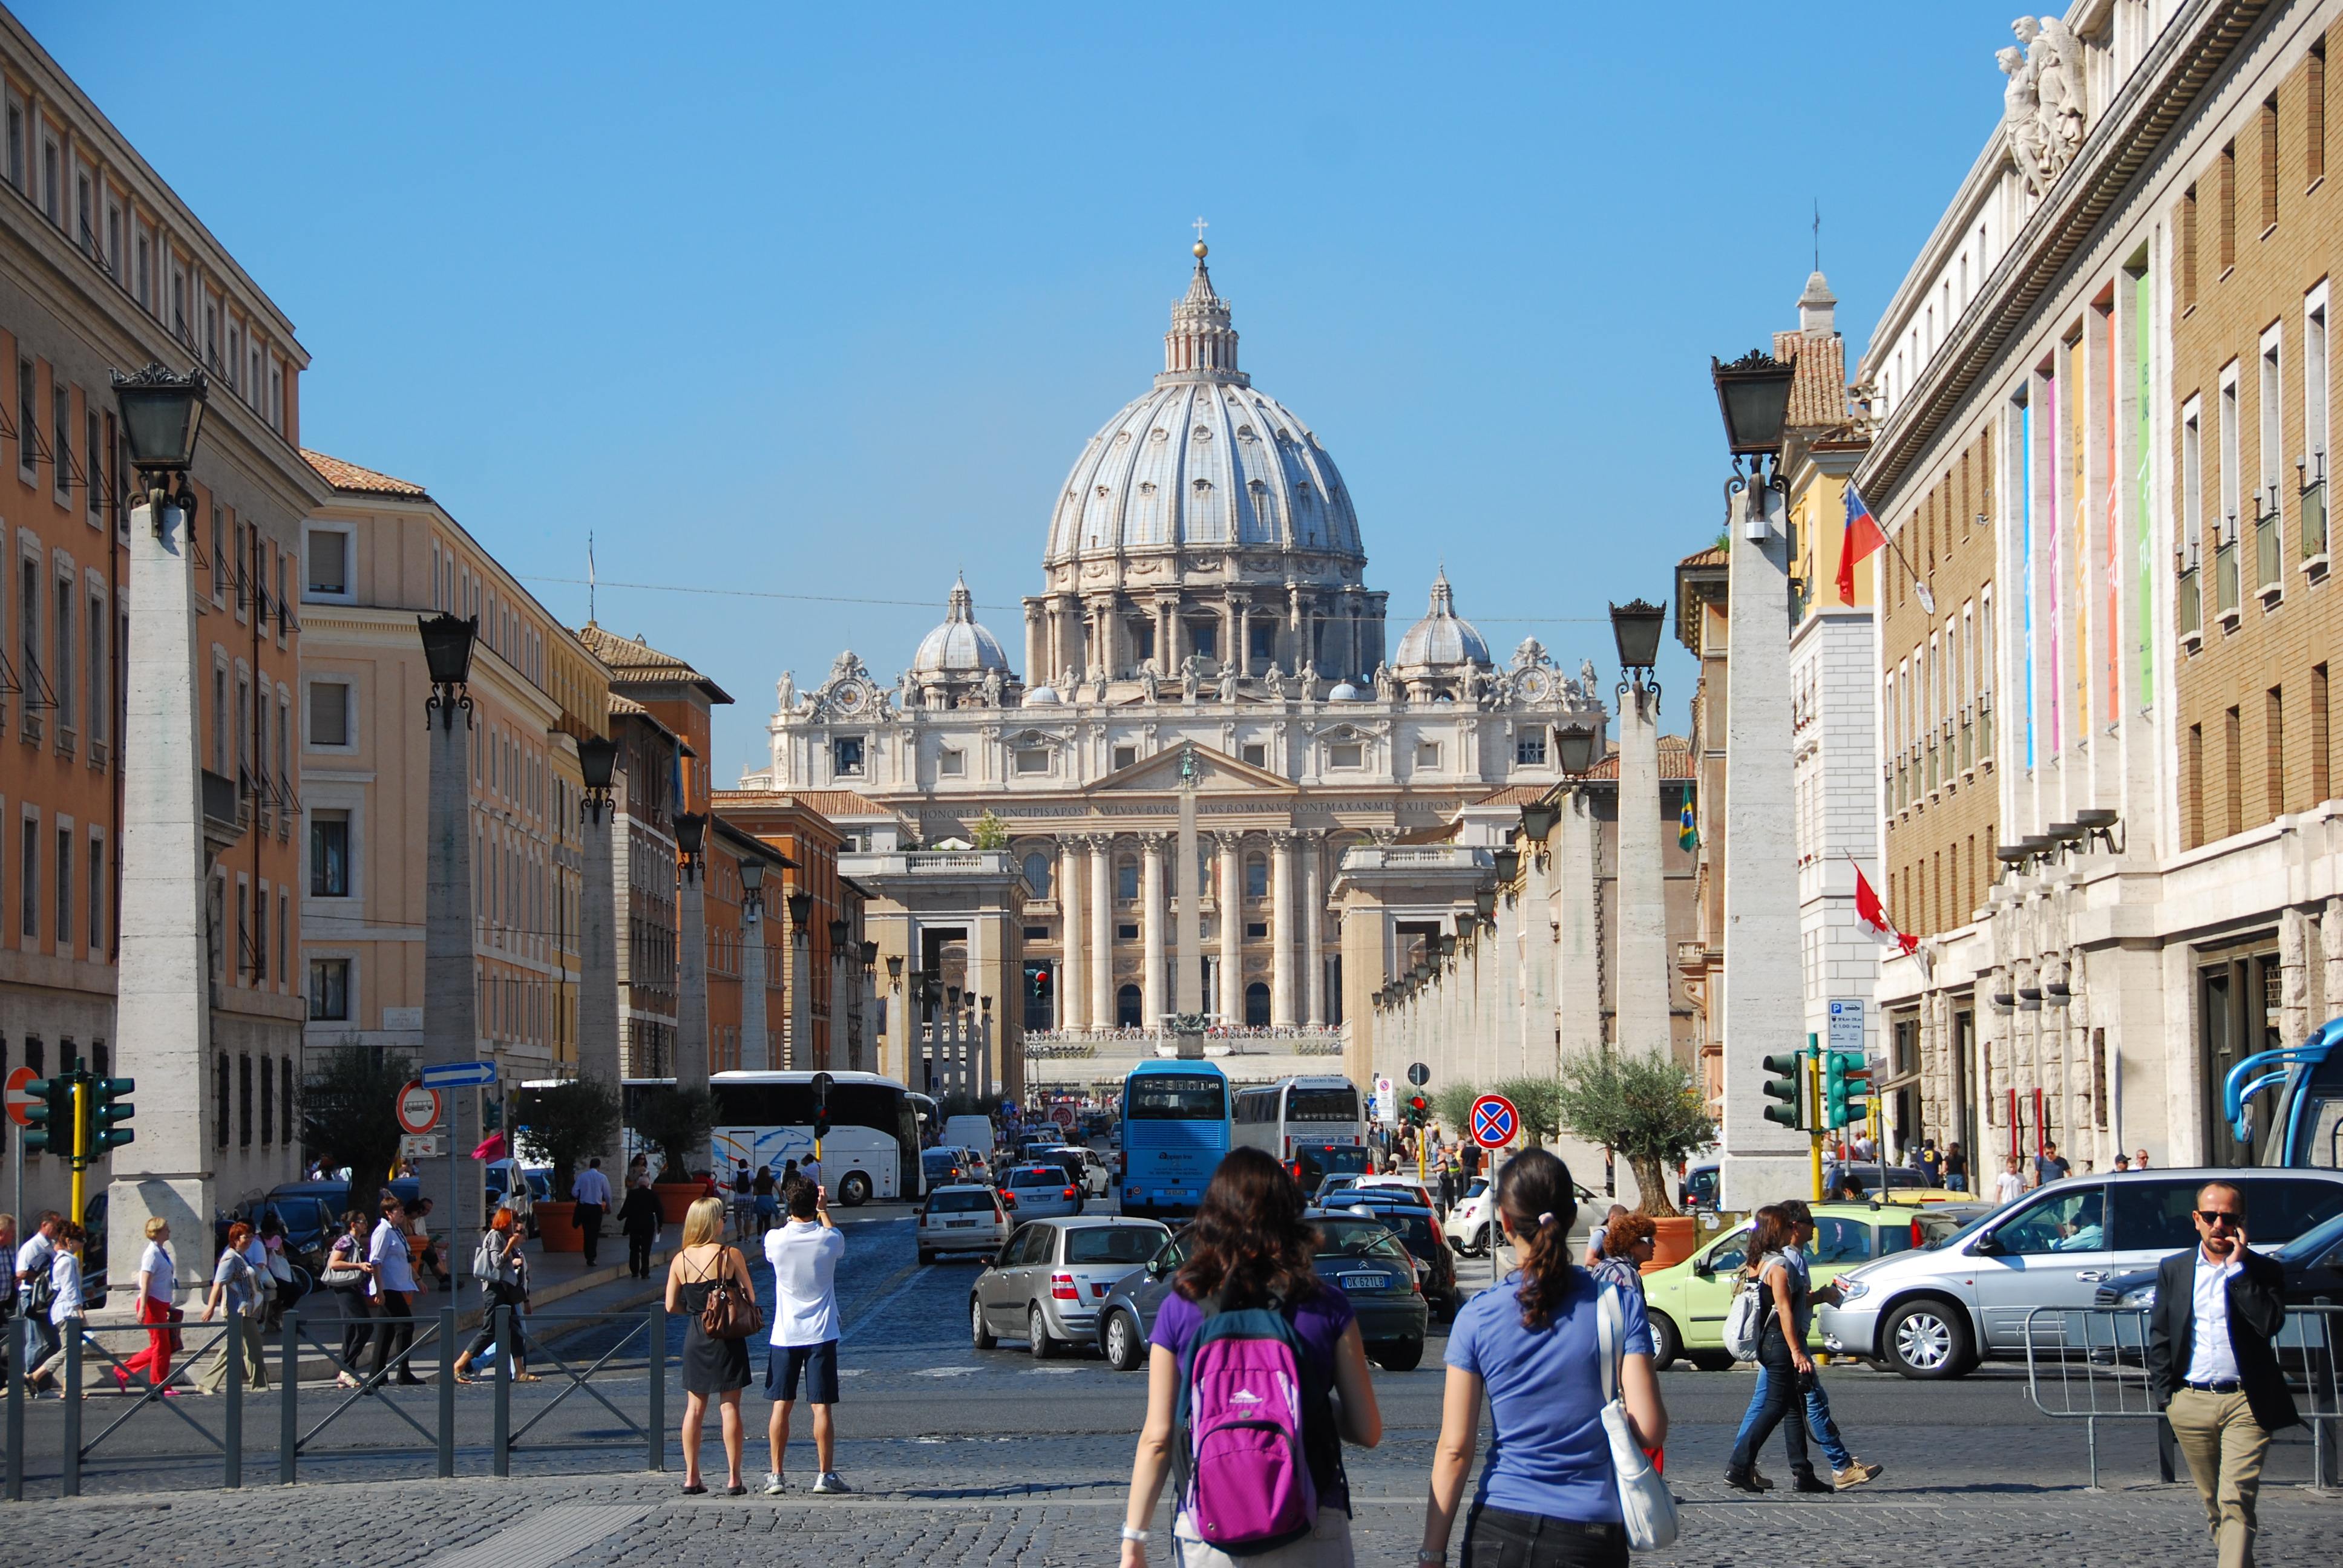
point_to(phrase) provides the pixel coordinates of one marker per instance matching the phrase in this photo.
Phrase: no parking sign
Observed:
(1495, 1122)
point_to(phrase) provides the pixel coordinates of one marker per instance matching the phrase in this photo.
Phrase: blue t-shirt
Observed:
(1319, 1319)
(1550, 1456)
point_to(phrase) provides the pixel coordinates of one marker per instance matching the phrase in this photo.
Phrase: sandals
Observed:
(527, 1377)
(465, 1378)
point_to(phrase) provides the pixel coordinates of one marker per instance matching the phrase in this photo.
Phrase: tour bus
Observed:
(1175, 1130)
(871, 1151)
(2301, 1125)
(1315, 1125)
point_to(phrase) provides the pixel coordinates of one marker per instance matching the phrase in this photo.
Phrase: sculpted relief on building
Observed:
(2045, 104)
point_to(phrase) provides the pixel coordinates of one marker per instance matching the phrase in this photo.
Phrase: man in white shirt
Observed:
(591, 1190)
(804, 1254)
(34, 1262)
(809, 1171)
(2009, 1186)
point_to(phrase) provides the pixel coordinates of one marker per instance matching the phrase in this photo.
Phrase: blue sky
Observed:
(824, 301)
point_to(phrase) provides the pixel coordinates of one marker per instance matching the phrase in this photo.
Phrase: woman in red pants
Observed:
(157, 1277)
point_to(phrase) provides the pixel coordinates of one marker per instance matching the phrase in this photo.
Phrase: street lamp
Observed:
(870, 954)
(752, 885)
(894, 966)
(1753, 393)
(1508, 865)
(162, 418)
(448, 657)
(1484, 903)
(598, 759)
(1575, 749)
(800, 909)
(838, 931)
(690, 834)
(1539, 817)
(1448, 944)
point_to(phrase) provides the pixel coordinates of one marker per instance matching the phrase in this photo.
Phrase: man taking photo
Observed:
(2210, 1367)
(804, 1254)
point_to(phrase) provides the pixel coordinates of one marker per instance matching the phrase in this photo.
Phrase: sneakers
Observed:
(1855, 1474)
(827, 1481)
(773, 1487)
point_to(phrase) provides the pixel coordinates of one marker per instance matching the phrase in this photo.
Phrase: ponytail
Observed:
(1538, 1200)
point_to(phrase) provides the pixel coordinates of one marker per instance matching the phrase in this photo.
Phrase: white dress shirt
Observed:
(590, 1186)
(2210, 1357)
(804, 1254)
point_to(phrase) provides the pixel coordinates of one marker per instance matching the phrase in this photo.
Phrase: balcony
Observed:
(1985, 728)
(2225, 581)
(2191, 596)
(2313, 511)
(2270, 575)
(1968, 740)
(224, 811)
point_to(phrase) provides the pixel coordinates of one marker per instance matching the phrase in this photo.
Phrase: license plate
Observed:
(1360, 1282)
(960, 1224)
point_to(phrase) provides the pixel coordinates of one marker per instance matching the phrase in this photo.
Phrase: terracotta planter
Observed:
(675, 1199)
(557, 1228)
(1673, 1239)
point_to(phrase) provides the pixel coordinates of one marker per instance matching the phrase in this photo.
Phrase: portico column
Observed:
(1233, 922)
(1280, 929)
(1101, 848)
(1578, 965)
(1313, 931)
(1073, 977)
(1240, 658)
(1640, 992)
(1534, 914)
(1151, 930)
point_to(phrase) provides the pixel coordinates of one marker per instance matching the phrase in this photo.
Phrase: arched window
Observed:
(1126, 1007)
(1256, 875)
(1037, 874)
(1257, 1006)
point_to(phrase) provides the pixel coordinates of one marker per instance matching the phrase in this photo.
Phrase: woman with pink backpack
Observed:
(1256, 1379)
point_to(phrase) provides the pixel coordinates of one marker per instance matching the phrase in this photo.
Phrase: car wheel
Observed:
(854, 1189)
(926, 1257)
(1037, 1334)
(1667, 1341)
(1122, 1343)
(1927, 1339)
(978, 1334)
(1400, 1355)
(1481, 1242)
(1711, 1360)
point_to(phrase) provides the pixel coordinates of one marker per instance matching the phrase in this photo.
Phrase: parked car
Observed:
(1699, 1187)
(1041, 1190)
(1869, 1173)
(1360, 1257)
(1049, 1281)
(1686, 1301)
(2313, 1262)
(1472, 1224)
(963, 1217)
(1419, 1232)
(1937, 1314)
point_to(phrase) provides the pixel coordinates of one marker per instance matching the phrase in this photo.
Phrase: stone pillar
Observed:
(691, 975)
(599, 1044)
(1152, 1007)
(1504, 1015)
(1037, 643)
(1538, 951)
(1240, 657)
(1314, 929)
(755, 1040)
(163, 1009)
(2294, 978)
(1233, 922)
(1280, 929)
(1578, 974)
(800, 1001)
(450, 986)
(1072, 972)
(1101, 848)
(1765, 1004)
(2330, 949)
(1640, 991)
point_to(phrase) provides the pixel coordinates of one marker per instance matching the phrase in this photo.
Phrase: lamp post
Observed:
(600, 1053)
(897, 1017)
(866, 1006)
(163, 1000)
(756, 1036)
(1641, 986)
(801, 1058)
(842, 1017)
(1763, 1005)
(691, 952)
(450, 988)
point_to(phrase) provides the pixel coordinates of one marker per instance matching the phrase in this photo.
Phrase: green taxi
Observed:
(1687, 1300)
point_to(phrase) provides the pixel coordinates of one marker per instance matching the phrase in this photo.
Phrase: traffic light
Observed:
(51, 1115)
(1845, 1080)
(1783, 1085)
(109, 1108)
(1419, 1110)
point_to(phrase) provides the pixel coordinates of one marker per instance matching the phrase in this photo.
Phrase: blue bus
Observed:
(2302, 1125)
(1175, 1131)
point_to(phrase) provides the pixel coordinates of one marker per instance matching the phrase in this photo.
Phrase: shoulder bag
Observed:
(1646, 1505)
(341, 1266)
(731, 1311)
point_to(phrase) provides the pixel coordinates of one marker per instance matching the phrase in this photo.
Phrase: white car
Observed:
(966, 1218)
(1043, 1191)
(1098, 1178)
(1473, 1222)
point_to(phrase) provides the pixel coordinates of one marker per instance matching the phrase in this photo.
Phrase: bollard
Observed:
(446, 1392)
(20, 1335)
(500, 1316)
(655, 1373)
(232, 1447)
(289, 1404)
(71, 1484)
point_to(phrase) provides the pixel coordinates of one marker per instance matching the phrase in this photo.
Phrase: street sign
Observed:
(418, 1109)
(1063, 1115)
(19, 1100)
(1418, 1074)
(459, 1075)
(1847, 1022)
(1495, 1122)
(422, 1145)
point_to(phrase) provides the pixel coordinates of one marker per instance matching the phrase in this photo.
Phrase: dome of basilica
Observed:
(1204, 463)
(1442, 638)
(959, 647)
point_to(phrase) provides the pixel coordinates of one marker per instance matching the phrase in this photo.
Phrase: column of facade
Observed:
(691, 975)
(1240, 656)
(800, 1052)
(1640, 986)
(1232, 1000)
(1073, 975)
(1505, 989)
(1280, 929)
(1578, 963)
(1102, 912)
(1313, 930)
(1535, 912)
(1037, 643)
(756, 1044)
(1152, 1007)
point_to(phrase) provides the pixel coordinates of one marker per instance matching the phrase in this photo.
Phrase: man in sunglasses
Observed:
(2211, 1368)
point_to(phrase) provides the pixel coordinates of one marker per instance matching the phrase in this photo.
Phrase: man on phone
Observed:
(804, 1254)
(2211, 1369)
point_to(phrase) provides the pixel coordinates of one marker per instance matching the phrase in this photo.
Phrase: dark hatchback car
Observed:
(1417, 1231)
(2313, 1262)
(1357, 1255)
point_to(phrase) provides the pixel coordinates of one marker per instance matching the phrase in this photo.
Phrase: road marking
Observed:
(559, 1533)
(1050, 1371)
(945, 1372)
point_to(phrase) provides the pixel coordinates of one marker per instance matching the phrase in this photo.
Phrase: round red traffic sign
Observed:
(418, 1109)
(19, 1102)
(1063, 1115)
(1495, 1122)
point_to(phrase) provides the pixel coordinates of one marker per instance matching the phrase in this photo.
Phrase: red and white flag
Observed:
(1871, 916)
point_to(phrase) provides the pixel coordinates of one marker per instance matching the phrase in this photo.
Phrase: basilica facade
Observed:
(1204, 596)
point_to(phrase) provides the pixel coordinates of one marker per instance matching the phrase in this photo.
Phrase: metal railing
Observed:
(2224, 572)
(2191, 596)
(2090, 1364)
(2269, 537)
(2312, 510)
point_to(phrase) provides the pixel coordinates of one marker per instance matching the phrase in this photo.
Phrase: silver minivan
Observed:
(1047, 1284)
(1937, 1314)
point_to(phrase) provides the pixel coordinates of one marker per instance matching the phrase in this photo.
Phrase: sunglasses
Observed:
(2219, 1217)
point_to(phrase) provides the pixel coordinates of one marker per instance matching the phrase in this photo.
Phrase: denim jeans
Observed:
(1501, 1538)
(1819, 1422)
(1776, 1392)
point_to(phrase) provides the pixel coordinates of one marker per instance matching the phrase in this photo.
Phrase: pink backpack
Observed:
(1245, 1405)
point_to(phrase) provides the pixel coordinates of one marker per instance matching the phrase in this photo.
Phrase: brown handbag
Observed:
(731, 1311)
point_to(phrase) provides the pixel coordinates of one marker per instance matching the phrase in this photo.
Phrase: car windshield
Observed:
(1132, 1244)
(1480, 1185)
(1358, 1238)
(961, 1203)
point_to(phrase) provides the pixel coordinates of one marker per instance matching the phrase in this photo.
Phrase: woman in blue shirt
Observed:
(1548, 1496)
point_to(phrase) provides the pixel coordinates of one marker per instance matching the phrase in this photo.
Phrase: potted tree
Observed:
(348, 1116)
(1647, 1108)
(676, 1124)
(568, 1124)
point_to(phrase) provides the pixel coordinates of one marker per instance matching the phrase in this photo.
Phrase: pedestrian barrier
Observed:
(442, 1433)
(2090, 1364)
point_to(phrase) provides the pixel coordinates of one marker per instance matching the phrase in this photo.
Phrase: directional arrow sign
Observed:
(459, 1075)
(1495, 1122)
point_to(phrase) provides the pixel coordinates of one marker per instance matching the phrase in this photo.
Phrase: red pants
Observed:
(154, 1360)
